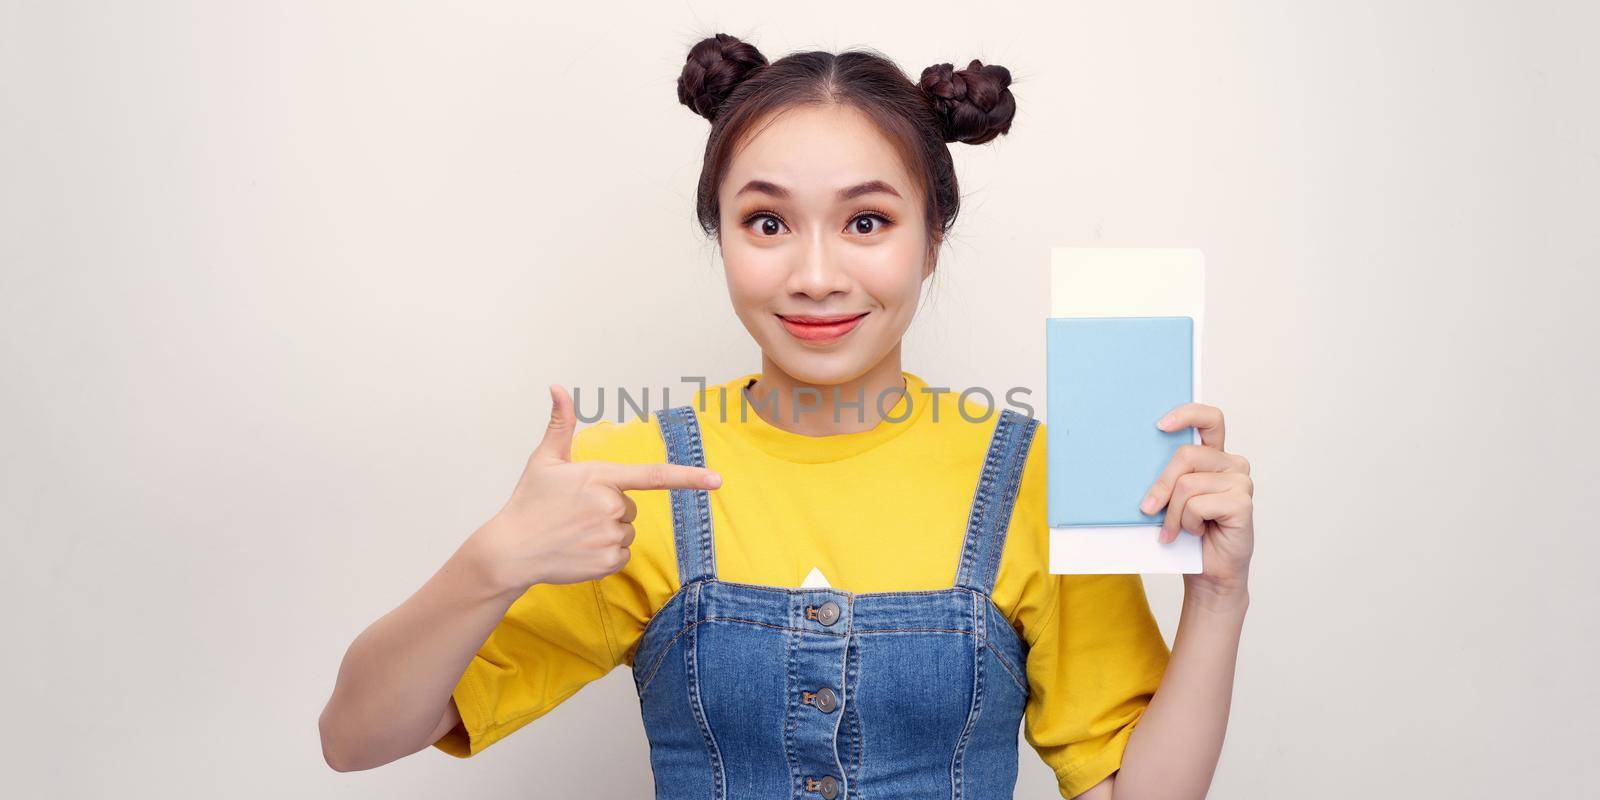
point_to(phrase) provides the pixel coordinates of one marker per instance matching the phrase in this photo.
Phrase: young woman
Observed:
(863, 609)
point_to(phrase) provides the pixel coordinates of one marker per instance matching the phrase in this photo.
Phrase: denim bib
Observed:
(752, 691)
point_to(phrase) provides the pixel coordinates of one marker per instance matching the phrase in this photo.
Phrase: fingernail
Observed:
(1148, 504)
(1165, 423)
(713, 480)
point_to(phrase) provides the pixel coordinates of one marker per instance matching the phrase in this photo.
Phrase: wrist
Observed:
(1229, 597)
(481, 558)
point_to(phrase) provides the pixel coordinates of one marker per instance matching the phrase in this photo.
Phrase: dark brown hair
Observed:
(730, 83)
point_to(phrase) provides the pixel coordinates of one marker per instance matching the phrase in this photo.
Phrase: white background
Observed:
(282, 286)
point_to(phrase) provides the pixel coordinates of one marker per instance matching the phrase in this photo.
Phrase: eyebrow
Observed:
(847, 193)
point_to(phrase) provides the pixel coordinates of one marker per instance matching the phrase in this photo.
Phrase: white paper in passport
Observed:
(1127, 282)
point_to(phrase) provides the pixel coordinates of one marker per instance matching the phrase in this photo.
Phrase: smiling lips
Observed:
(820, 329)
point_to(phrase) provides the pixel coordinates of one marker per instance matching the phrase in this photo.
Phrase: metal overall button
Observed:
(827, 787)
(827, 613)
(824, 699)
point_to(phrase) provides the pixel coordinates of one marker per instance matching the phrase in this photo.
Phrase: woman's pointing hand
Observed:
(570, 521)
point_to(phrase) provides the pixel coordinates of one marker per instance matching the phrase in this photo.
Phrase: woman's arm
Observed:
(566, 522)
(393, 694)
(1175, 745)
(1174, 748)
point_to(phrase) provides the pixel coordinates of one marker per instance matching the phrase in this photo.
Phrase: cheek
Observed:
(892, 273)
(754, 276)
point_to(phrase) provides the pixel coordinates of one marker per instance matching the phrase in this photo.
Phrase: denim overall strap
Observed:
(691, 508)
(996, 495)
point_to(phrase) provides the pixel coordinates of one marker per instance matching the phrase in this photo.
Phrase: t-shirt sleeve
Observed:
(1092, 669)
(552, 641)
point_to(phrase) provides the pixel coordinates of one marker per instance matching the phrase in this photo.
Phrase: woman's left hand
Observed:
(1208, 493)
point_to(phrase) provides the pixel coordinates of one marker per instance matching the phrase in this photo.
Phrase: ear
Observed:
(932, 258)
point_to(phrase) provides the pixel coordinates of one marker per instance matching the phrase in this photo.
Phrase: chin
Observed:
(818, 364)
(822, 367)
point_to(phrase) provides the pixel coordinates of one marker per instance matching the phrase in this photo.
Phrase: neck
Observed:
(825, 409)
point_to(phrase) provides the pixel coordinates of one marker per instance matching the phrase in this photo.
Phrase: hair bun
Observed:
(716, 65)
(973, 104)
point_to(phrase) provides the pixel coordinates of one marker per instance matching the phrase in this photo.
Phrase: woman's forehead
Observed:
(814, 151)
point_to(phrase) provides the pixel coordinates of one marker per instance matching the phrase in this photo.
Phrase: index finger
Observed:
(1199, 415)
(657, 476)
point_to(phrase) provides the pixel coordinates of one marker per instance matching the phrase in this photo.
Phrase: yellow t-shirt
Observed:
(878, 510)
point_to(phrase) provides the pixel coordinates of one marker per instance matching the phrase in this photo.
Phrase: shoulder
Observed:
(1024, 587)
(964, 428)
(965, 422)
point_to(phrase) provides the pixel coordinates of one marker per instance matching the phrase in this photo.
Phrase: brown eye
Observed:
(770, 225)
(868, 224)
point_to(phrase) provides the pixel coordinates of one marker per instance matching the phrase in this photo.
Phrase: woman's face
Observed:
(825, 243)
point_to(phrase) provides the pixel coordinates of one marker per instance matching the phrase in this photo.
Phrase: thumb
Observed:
(557, 442)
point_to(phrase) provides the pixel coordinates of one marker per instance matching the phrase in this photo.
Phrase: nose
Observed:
(817, 272)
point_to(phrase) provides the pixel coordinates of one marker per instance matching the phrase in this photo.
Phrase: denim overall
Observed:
(762, 692)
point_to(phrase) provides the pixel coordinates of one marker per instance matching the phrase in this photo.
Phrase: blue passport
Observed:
(1107, 381)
